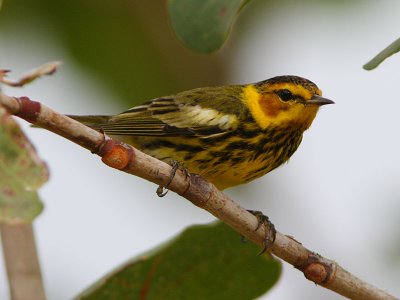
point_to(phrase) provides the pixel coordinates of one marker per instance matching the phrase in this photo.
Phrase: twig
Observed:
(393, 48)
(45, 69)
(22, 263)
(115, 154)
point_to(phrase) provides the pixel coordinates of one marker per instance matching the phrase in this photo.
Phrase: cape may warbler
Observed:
(230, 135)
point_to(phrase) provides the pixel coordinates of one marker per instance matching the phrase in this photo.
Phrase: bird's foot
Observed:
(270, 232)
(163, 190)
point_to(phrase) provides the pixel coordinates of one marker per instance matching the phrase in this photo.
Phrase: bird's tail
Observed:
(94, 122)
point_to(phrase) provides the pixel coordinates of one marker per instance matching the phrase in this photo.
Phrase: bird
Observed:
(229, 135)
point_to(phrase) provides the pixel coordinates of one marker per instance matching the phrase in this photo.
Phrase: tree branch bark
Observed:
(320, 270)
(20, 256)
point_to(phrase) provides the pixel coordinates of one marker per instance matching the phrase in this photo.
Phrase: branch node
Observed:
(198, 191)
(188, 185)
(115, 154)
(29, 110)
(318, 270)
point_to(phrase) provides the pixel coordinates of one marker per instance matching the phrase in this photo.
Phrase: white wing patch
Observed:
(197, 116)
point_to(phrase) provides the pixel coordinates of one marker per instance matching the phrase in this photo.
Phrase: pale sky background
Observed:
(339, 194)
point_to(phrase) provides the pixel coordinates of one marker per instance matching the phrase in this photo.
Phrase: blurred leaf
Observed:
(126, 45)
(204, 25)
(18, 157)
(17, 204)
(21, 173)
(385, 53)
(203, 262)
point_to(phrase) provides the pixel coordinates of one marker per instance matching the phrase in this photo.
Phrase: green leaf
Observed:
(203, 262)
(204, 25)
(17, 204)
(385, 53)
(21, 173)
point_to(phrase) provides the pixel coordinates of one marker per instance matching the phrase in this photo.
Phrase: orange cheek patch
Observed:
(271, 105)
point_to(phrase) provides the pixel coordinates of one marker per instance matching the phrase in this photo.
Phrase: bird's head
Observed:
(284, 100)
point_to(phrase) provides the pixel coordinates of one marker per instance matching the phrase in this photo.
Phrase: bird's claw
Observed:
(270, 232)
(163, 190)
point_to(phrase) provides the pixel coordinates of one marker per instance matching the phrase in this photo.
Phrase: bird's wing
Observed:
(199, 112)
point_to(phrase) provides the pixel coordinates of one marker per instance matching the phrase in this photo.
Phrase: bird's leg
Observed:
(105, 137)
(175, 166)
(270, 232)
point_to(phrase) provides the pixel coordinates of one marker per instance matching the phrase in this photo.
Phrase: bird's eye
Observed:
(285, 95)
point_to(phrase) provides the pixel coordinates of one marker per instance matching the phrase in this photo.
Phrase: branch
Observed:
(20, 256)
(43, 70)
(201, 193)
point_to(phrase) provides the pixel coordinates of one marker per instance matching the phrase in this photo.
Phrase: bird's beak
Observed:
(318, 100)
